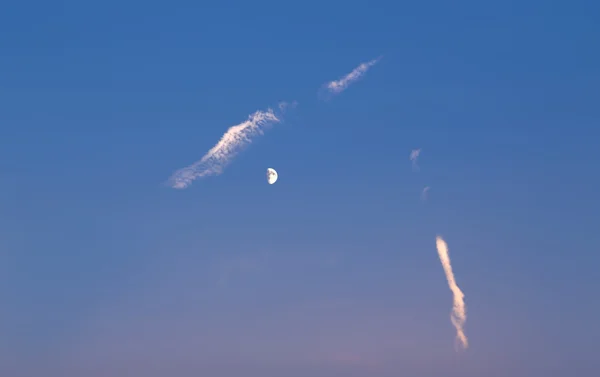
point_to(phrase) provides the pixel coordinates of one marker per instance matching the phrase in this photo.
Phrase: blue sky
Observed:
(333, 270)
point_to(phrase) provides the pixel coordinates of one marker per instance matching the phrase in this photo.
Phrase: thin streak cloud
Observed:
(458, 316)
(338, 86)
(222, 154)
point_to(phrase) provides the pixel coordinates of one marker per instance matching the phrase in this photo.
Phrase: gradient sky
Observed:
(332, 271)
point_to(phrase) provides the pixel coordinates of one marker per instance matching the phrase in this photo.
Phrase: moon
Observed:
(272, 176)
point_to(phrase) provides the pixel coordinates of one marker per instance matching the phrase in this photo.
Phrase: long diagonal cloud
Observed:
(458, 316)
(233, 141)
(338, 86)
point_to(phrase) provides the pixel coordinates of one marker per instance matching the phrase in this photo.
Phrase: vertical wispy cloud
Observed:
(458, 316)
(335, 87)
(414, 156)
(233, 141)
(425, 192)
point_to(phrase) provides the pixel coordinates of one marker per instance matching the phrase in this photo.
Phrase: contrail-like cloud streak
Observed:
(336, 87)
(233, 141)
(458, 316)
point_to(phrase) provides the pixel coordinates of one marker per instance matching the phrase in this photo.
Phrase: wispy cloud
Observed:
(414, 156)
(338, 86)
(283, 106)
(233, 141)
(458, 316)
(424, 193)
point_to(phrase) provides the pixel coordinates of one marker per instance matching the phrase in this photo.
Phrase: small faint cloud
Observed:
(283, 106)
(414, 156)
(424, 193)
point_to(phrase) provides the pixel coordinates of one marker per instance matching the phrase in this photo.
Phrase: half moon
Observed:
(272, 176)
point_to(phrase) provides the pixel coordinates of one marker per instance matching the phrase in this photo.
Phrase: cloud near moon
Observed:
(231, 144)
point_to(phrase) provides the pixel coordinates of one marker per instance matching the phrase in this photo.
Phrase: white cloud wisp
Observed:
(424, 193)
(233, 141)
(338, 86)
(414, 156)
(458, 316)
